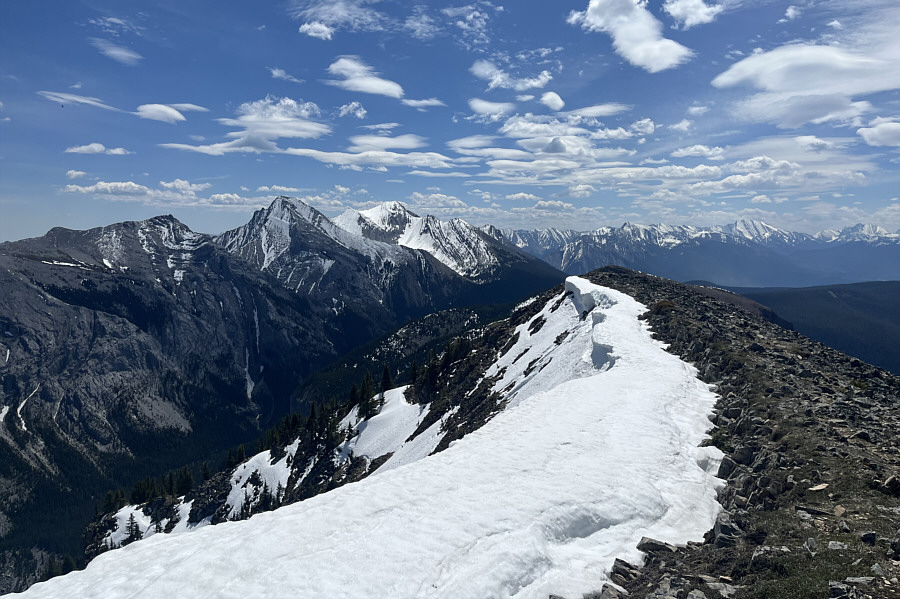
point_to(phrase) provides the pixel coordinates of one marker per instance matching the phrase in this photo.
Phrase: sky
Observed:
(526, 113)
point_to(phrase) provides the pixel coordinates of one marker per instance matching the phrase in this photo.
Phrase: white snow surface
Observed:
(272, 474)
(385, 432)
(595, 451)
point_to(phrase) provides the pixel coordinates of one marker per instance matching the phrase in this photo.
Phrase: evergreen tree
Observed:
(240, 456)
(185, 482)
(132, 530)
(386, 381)
(204, 472)
(413, 373)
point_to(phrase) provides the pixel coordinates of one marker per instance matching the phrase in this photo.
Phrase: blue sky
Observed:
(574, 113)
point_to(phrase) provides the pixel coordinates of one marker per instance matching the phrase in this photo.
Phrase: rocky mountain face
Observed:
(124, 348)
(745, 253)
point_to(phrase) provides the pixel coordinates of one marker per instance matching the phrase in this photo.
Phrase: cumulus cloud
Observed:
(354, 109)
(497, 78)
(118, 53)
(365, 143)
(636, 33)
(73, 174)
(184, 186)
(553, 205)
(359, 77)
(881, 134)
(643, 127)
(317, 29)
(129, 188)
(692, 12)
(582, 190)
(522, 196)
(698, 110)
(682, 125)
(97, 148)
(552, 101)
(276, 189)
(492, 111)
(283, 75)
(790, 14)
(712, 153)
(420, 25)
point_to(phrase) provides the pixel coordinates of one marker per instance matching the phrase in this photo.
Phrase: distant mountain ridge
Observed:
(745, 253)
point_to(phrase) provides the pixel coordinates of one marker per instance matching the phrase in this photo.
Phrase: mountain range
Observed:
(742, 254)
(140, 347)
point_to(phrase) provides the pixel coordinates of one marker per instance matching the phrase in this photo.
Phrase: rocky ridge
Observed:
(812, 437)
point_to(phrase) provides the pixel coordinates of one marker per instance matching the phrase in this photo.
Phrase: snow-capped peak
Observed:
(457, 244)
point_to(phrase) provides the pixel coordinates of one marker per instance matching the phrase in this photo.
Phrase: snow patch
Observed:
(272, 475)
(22, 405)
(387, 431)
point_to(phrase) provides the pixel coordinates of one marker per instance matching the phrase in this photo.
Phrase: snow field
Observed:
(595, 450)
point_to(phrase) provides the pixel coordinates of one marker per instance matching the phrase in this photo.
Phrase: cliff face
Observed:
(812, 439)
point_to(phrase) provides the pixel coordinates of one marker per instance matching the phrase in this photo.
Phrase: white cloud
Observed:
(811, 83)
(491, 110)
(420, 25)
(323, 17)
(261, 123)
(359, 77)
(374, 158)
(698, 110)
(882, 134)
(72, 174)
(692, 12)
(123, 188)
(643, 127)
(277, 189)
(496, 77)
(120, 54)
(524, 98)
(522, 196)
(636, 33)
(184, 186)
(582, 190)
(682, 125)
(552, 101)
(553, 205)
(317, 29)
(97, 148)
(365, 143)
(835, 24)
(283, 75)
(159, 112)
(354, 109)
(64, 98)
(600, 110)
(790, 14)
(714, 153)
(341, 189)
(381, 126)
(471, 142)
(423, 104)
(472, 22)
(436, 200)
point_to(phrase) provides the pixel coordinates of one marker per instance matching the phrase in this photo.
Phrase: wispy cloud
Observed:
(496, 77)
(73, 174)
(422, 104)
(118, 53)
(64, 98)
(323, 17)
(283, 75)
